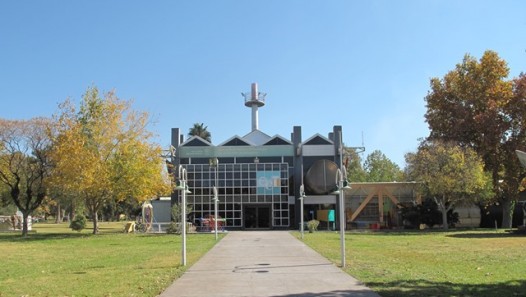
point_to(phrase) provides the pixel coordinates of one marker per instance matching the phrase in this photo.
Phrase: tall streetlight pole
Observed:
(302, 196)
(341, 177)
(183, 178)
(342, 217)
(216, 200)
(215, 162)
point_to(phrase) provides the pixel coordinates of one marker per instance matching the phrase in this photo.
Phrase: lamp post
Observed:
(216, 200)
(215, 162)
(341, 182)
(341, 186)
(302, 196)
(183, 178)
(342, 217)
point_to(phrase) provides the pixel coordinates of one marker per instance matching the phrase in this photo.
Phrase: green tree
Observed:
(201, 131)
(476, 105)
(24, 164)
(380, 169)
(103, 153)
(450, 174)
(5, 197)
(177, 212)
(353, 164)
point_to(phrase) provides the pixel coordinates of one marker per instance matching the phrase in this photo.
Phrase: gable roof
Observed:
(196, 141)
(317, 139)
(256, 137)
(235, 141)
(277, 140)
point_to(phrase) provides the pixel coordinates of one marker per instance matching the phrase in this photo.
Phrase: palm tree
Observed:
(200, 130)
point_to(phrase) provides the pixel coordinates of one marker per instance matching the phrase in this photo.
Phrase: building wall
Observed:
(239, 185)
(241, 166)
(162, 211)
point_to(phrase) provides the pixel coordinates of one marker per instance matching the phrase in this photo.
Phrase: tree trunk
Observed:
(95, 223)
(63, 215)
(443, 209)
(73, 212)
(508, 206)
(444, 218)
(59, 215)
(24, 224)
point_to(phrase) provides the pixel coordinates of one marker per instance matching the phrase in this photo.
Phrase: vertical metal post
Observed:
(215, 163)
(302, 223)
(183, 215)
(215, 211)
(342, 221)
(342, 204)
(302, 196)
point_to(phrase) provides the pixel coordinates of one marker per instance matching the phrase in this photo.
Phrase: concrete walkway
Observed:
(264, 263)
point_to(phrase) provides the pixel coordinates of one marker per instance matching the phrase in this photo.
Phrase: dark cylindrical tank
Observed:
(320, 179)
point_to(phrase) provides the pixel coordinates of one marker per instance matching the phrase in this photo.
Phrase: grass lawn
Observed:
(56, 261)
(455, 263)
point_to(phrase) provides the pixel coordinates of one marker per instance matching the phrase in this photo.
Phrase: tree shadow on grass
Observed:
(34, 236)
(405, 232)
(398, 232)
(442, 289)
(488, 234)
(455, 233)
(335, 293)
(17, 237)
(419, 288)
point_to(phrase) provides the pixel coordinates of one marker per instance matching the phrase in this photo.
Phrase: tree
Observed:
(450, 174)
(475, 105)
(513, 175)
(103, 153)
(426, 213)
(176, 226)
(380, 169)
(24, 163)
(201, 131)
(353, 165)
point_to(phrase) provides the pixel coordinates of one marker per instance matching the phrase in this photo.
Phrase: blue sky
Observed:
(364, 65)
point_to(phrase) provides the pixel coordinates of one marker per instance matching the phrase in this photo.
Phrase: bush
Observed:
(174, 228)
(426, 213)
(177, 211)
(78, 223)
(313, 225)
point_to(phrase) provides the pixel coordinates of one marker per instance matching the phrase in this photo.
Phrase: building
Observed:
(258, 177)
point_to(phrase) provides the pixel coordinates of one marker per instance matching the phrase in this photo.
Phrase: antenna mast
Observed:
(254, 100)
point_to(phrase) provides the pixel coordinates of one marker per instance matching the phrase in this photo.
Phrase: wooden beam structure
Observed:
(380, 191)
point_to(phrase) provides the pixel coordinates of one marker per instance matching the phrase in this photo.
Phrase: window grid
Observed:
(237, 185)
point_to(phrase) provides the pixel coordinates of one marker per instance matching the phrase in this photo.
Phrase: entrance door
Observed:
(256, 216)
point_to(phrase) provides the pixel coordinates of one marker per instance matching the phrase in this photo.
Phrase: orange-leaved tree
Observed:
(104, 152)
(478, 106)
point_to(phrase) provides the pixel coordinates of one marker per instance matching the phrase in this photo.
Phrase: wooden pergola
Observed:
(395, 192)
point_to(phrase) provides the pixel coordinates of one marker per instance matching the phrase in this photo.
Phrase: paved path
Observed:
(264, 263)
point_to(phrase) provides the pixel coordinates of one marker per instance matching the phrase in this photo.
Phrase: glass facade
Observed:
(251, 195)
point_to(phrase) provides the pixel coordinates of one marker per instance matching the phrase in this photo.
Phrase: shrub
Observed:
(313, 225)
(174, 228)
(78, 223)
(426, 213)
(177, 211)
